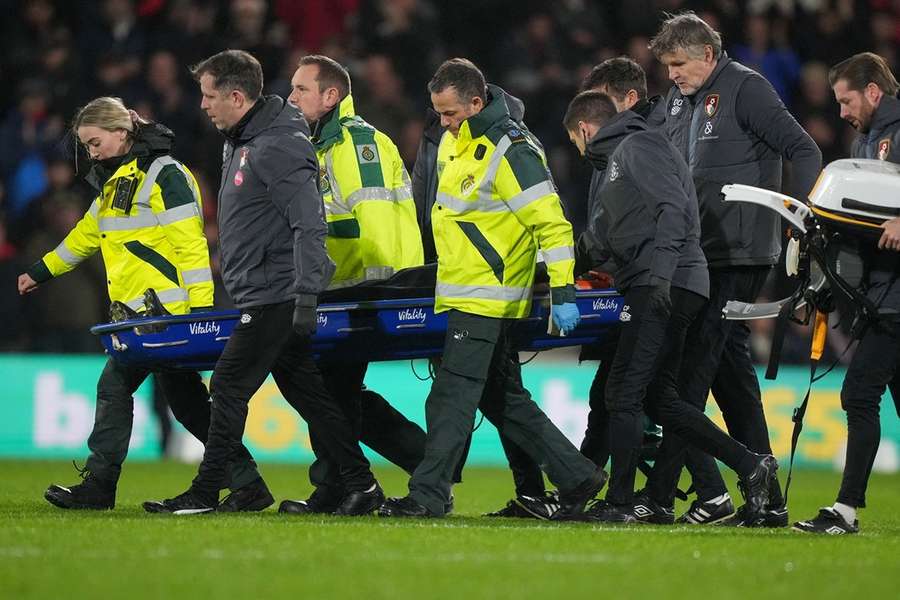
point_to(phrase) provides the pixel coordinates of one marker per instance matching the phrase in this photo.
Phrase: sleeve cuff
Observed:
(563, 294)
(39, 272)
(307, 300)
(663, 265)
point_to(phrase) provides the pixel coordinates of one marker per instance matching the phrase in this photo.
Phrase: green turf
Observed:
(46, 552)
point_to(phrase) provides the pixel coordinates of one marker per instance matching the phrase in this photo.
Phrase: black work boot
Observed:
(572, 502)
(253, 497)
(405, 507)
(187, 503)
(92, 493)
(361, 502)
(755, 486)
(321, 501)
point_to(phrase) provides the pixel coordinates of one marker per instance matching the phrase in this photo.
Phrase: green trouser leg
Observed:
(114, 416)
(477, 363)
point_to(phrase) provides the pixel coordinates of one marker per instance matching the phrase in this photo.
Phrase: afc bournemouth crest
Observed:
(711, 105)
(884, 148)
(467, 184)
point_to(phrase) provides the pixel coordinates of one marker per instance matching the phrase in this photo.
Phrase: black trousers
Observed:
(480, 369)
(113, 418)
(264, 342)
(644, 376)
(374, 422)
(873, 367)
(717, 357)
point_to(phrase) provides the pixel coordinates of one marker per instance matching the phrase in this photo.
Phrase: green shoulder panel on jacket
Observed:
(174, 187)
(368, 156)
(526, 165)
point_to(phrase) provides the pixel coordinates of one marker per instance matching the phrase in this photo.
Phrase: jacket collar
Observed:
(887, 113)
(328, 129)
(607, 139)
(723, 62)
(475, 126)
(261, 116)
(434, 132)
(150, 141)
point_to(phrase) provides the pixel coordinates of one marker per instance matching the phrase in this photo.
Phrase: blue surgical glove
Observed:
(566, 317)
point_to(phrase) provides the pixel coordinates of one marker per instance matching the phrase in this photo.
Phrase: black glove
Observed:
(305, 316)
(659, 299)
(201, 309)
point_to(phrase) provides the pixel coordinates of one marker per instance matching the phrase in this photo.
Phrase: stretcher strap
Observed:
(781, 324)
(797, 418)
(820, 330)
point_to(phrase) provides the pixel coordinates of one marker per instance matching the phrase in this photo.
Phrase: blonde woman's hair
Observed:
(107, 113)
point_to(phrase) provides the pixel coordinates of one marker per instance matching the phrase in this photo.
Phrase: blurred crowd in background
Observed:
(57, 55)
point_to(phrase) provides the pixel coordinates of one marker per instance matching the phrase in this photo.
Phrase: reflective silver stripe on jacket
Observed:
(486, 189)
(179, 213)
(67, 256)
(145, 216)
(485, 201)
(371, 274)
(399, 194)
(532, 194)
(192, 276)
(557, 254)
(483, 292)
(165, 296)
(462, 206)
(138, 221)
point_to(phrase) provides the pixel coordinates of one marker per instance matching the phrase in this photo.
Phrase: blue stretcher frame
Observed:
(369, 331)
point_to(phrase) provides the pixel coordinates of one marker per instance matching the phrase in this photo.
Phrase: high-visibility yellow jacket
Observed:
(496, 206)
(371, 215)
(159, 243)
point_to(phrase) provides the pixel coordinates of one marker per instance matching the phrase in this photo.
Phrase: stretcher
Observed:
(363, 330)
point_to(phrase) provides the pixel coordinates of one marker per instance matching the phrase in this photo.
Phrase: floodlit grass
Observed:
(46, 552)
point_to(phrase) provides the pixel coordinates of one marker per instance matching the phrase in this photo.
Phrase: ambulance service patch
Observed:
(324, 181)
(367, 153)
(467, 184)
(711, 105)
(884, 148)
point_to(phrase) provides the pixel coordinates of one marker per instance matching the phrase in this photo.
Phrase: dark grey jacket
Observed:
(735, 129)
(653, 110)
(648, 222)
(882, 266)
(271, 217)
(425, 175)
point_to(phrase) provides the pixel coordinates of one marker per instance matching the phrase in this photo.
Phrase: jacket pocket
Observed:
(154, 259)
(487, 252)
(470, 345)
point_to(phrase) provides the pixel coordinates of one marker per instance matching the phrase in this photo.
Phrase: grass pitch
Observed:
(46, 552)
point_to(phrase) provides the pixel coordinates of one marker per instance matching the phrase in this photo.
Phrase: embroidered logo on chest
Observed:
(324, 181)
(613, 171)
(711, 105)
(884, 148)
(467, 185)
(676, 106)
(367, 153)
